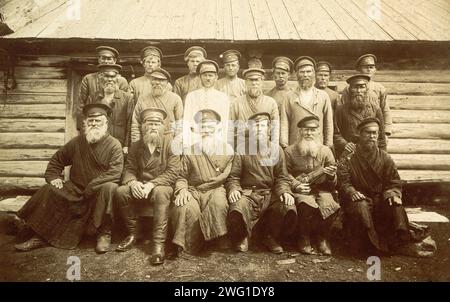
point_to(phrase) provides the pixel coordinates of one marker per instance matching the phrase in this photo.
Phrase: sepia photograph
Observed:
(224, 142)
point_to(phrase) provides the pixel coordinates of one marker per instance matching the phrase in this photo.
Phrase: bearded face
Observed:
(254, 87)
(307, 142)
(95, 128)
(151, 132)
(305, 76)
(158, 86)
(358, 96)
(368, 138)
(208, 131)
(109, 84)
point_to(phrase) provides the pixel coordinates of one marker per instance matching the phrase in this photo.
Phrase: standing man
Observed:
(371, 192)
(206, 97)
(151, 57)
(309, 101)
(281, 70)
(60, 212)
(120, 103)
(190, 82)
(231, 85)
(323, 72)
(259, 191)
(201, 205)
(312, 170)
(358, 105)
(150, 173)
(160, 97)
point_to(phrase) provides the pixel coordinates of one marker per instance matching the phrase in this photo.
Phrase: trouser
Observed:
(311, 223)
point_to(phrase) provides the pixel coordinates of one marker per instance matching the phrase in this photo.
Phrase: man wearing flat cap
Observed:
(92, 82)
(359, 106)
(323, 73)
(60, 212)
(312, 171)
(150, 173)
(200, 207)
(366, 64)
(309, 101)
(371, 194)
(206, 97)
(252, 102)
(120, 103)
(258, 190)
(159, 97)
(190, 82)
(282, 68)
(151, 59)
(231, 84)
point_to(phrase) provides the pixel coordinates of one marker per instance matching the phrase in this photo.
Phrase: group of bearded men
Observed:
(217, 160)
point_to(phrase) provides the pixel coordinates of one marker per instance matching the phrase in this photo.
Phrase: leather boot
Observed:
(160, 225)
(129, 217)
(31, 244)
(272, 245)
(304, 245)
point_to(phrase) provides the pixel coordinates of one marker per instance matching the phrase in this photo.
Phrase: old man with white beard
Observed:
(60, 212)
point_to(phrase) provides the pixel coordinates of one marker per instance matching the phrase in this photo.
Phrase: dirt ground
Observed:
(50, 264)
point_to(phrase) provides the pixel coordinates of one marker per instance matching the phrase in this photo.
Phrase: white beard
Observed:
(208, 145)
(93, 135)
(152, 138)
(308, 148)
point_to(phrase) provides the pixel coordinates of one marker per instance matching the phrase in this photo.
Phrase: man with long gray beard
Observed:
(312, 170)
(371, 193)
(159, 97)
(358, 105)
(60, 212)
(150, 173)
(309, 101)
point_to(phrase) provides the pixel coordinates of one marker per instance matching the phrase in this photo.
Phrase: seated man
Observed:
(60, 212)
(258, 187)
(370, 188)
(312, 169)
(201, 204)
(150, 173)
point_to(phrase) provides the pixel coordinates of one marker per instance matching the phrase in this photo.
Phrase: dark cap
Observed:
(110, 69)
(367, 59)
(194, 51)
(358, 79)
(160, 73)
(107, 49)
(253, 72)
(260, 116)
(323, 66)
(304, 60)
(310, 121)
(254, 63)
(368, 122)
(207, 66)
(230, 55)
(151, 51)
(283, 63)
(96, 109)
(153, 114)
(206, 114)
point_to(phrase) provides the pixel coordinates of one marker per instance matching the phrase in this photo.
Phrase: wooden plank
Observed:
(74, 83)
(420, 116)
(243, 24)
(281, 18)
(8, 184)
(140, 12)
(225, 20)
(42, 61)
(418, 146)
(117, 11)
(181, 20)
(39, 85)
(414, 102)
(32, 125)
(25, 72)
(264, 24)
(31, 140)
(204, 23)
(35, 98)
(424, 175)
(422, 161)
(33, 111)
(427, 131)
(154, 22)
(26, 154)
(23, 168)
(411, 75)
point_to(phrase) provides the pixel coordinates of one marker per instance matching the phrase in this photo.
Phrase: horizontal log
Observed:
(427, 131)
(32, 125)
(38, 85)
(420, 116)
(424, 175)
(419, 102)
(35, 98)
(26, 154)
(44, 61)
(422, 161)
(414, 76)
(25, 72)
(31, 140)
(8, 184)
(23, 168)
(33, 111)
(418, 146)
